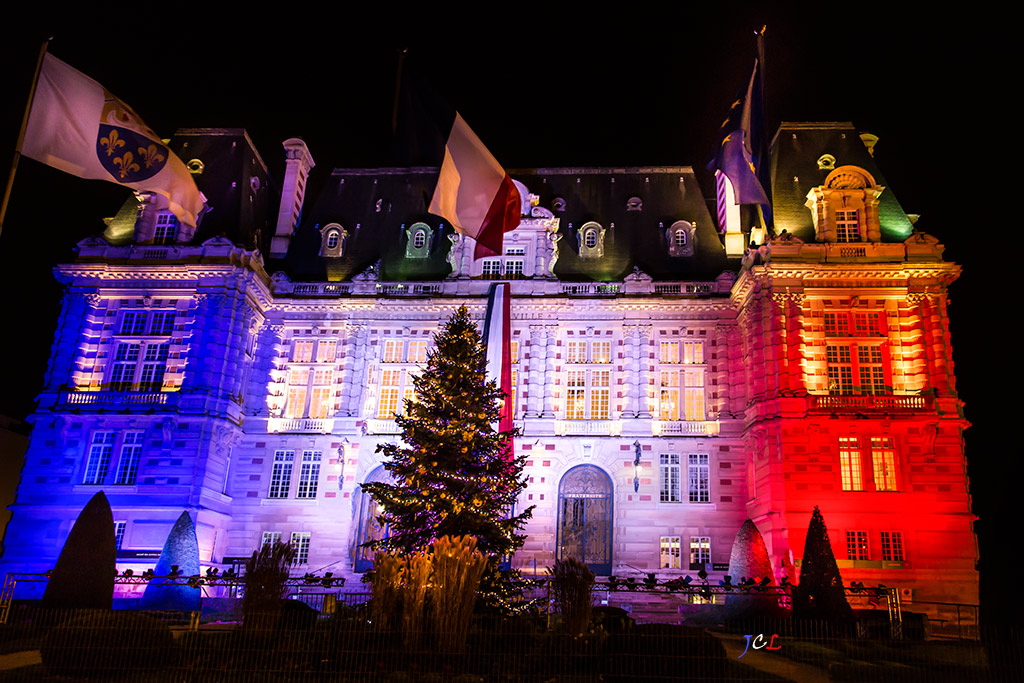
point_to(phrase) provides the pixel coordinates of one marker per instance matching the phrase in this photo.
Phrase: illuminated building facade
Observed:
(669, 382)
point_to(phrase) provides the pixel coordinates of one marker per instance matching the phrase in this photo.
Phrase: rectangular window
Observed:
(670, 552)
(700, 551)
(869, 363)
(699, 478)
(300, 541)
(669, 352)
(154, 364)
(857, 545)
(883, 463)
(392, 351)
(302, 351)
(599, 394)
(166, 230)
(326, 351)
(693, 352)
(281, 477)
(119, 529)
(491, 269)
(418, 351)
(869, 324)
(669, 403)
(162, 323)
(133, 322)
(837, 325)
(670, 474)
(693, 394)
(128, 463)
(892, 546)
(515, 390)
(513, 348)
(849, 463)
(847, 226)
(576, 352)
(126, 358)
(309, 475)
(575, 395)
(840, 369)
(601, 352)
(98, 462)
(514, 269)
(270, 538)
(298, 382)
(390, 382)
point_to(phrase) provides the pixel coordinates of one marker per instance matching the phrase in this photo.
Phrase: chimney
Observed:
(298, 163)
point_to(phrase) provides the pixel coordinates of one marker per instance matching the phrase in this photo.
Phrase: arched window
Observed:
(590, 238)
(370, 528)
(680, 238)
(418, 244)
(332, 239)
(585, 518)
(419, 239)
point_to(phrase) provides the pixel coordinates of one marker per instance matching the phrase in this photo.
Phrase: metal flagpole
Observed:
(21, 133)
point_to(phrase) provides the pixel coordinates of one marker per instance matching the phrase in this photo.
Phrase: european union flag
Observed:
(741, 142)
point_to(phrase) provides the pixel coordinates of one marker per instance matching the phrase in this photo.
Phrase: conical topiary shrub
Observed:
(181, 550)
(84, 575)
(820, 595)
(749, 560)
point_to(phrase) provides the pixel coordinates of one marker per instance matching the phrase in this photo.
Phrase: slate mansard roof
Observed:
(636, 206)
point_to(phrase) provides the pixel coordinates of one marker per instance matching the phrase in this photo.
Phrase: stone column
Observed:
(354, 369)
(535, 399)
(644, 333)
(550, 351)
(629, 372)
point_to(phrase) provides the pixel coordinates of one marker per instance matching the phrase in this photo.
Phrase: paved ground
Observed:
(16, 660)
(771, 662)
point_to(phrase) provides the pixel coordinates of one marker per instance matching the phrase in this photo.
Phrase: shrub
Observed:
(571, 586)
(265, 575)
(107, 642)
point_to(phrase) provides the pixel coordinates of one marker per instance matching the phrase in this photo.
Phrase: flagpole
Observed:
(21, 133)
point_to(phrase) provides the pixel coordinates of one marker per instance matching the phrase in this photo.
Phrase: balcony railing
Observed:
(887, 402)
(376, 426)
(588, 427)
(118, 398)
(707, 427)
(278, 425)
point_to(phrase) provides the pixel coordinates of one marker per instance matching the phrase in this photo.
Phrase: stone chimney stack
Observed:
(298, 163)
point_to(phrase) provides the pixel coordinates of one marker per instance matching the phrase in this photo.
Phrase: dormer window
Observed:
(332, 237)
(847, 226)
(845, 207)
(591, 240)
(681, 237)
(418, 238)
(166, 231)
(634, 204)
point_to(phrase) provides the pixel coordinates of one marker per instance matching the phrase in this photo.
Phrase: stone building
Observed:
(671, 379)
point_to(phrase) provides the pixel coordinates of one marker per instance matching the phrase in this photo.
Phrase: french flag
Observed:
(473, 192)
(497, 338)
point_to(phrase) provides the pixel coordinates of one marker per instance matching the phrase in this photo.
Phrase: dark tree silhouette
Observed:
(819, 595)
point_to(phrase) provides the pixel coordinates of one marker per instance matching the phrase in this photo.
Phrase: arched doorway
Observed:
(368, 527)
(585, 518)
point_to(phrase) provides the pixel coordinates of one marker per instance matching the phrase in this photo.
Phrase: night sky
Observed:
(542, 87)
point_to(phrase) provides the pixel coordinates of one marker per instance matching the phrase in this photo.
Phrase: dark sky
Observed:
(630, 85)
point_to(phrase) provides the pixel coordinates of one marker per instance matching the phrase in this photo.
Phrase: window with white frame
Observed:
(418, 351)
(700, 551)
(883, 463)
(850, 464)
(300, 542)
(670, 552)
(669, 352)
(588, 390)
(309, 474)
(491, 269)
(855, 367)
(857, 545)
(682, 390)
(693, 394)
(270, 538)
(141, 350)
(98, 460)
(281, 475)
(310, 388)
(119, 531)
(669, 396)
(847, 226)
(699, 477)
(392, 352)
(128, 462)
(892, 546)
(159, 323)
(693, 352)
(166, 230)
(670, 478)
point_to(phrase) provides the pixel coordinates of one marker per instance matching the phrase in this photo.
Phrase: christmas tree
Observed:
(820, 595)
(455, 474)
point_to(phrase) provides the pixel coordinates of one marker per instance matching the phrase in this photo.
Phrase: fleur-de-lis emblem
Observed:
(150, 155)
(126, 164)
(112, 142)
